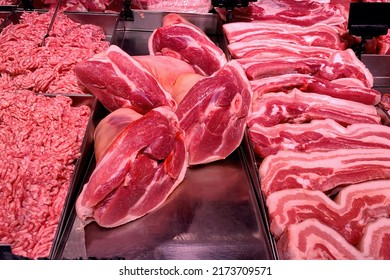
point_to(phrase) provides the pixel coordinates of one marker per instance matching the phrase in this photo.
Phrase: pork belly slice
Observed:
(336, 65)
(183, 40)
(300, 107)
(323, 171)
(214, 112)
(317, 136)
(351, 210)
(318, 35)
(138, 171)
(118, 80)
(311, 240)
(271, 49)
(344, 89)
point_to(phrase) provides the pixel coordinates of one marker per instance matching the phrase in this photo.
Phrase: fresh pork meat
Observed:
(319, 35)
(181, 39)
(344, 89)
(259, 49)
(165, 69)
(348, 213)
(302, 13)
(25, 65)
(82, 5)
(261, 59)
(193, 6)
(138, 171)
(324, 171)
(340, 64)
(300, 107)
(214, 112)
(317, 136)
(40, 141)
(118, 80)
(311, 240)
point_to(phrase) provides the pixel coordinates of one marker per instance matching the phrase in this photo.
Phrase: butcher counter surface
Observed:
(213, 214)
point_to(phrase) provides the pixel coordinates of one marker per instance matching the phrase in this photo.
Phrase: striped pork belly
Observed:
(323, 171)
(347, 89)
(319, 35)
(299, 107)
(264, 59)
(313, 240)
(265, 49)
(352, 209)
(317, 136)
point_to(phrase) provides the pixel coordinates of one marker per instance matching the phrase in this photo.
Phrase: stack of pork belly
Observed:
(324, 153)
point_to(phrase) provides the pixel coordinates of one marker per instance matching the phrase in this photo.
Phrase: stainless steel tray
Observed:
(81, 166)
(213, 214)
(379, 66)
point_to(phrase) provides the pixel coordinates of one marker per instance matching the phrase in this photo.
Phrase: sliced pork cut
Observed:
(348, 213)
(323, 171)
(260, 49)
(214, 112)
(309, 83)
(319, 35)
(317, 136)
(300, 107)
(311, 240)
(118, 80)
(183, 40)
(137, 172)
(262, 59)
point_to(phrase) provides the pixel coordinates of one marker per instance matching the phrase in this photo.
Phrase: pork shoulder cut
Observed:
(137, 172)
(181, 39)
(214, 112)
(118, 80)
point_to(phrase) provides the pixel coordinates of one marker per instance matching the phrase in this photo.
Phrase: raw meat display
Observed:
(313, 240)
(181, 39)
(319, 35)
(40, 140)
(324, 171)
(24, 64)
(348, 213)
(137, 172)
(214, 112)
(346, 88)
(302, 13)
(118, 80)
(186, 6)
(300, 107)
(317, 136)
(81, 5)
